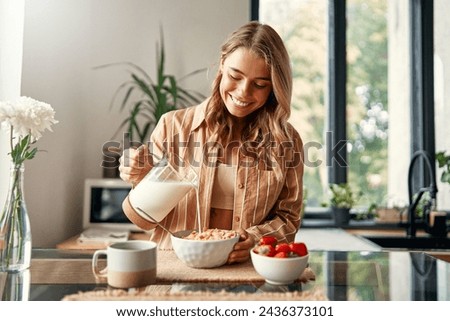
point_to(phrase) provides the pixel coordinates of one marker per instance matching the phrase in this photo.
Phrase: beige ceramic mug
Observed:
(129, 264)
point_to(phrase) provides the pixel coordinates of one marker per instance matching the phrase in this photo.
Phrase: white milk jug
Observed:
(161, 189)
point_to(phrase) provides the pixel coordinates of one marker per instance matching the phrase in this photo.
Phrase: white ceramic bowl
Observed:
(202, 254)
(279, 270)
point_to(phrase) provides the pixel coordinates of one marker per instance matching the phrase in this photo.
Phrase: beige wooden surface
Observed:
(62, 271)
(73, 243)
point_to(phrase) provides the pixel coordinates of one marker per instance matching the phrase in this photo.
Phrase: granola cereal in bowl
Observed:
(211, 234)
(208, 249)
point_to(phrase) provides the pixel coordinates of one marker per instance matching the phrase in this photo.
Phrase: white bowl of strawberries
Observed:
(279, 263)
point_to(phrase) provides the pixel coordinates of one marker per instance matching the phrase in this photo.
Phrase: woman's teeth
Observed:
(238, 102)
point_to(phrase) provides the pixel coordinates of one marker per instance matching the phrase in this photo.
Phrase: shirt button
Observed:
(237, 218)
(240, 185)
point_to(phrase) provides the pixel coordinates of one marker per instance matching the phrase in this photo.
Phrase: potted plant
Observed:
(394, 210)
(444, 163)
(145, 99)
(394, 214)
(343, 198)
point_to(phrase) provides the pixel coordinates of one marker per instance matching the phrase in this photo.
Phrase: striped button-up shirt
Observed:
(267, 199)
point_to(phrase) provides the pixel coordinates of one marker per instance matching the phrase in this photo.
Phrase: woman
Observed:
(249, 158)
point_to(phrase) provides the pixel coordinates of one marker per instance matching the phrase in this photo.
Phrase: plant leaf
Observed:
(156, 97)
(30, 154)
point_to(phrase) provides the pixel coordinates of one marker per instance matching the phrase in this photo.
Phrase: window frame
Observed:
(422, 82)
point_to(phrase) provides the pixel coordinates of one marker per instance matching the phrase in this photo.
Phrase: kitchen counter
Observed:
(333, 239)
(339, 275)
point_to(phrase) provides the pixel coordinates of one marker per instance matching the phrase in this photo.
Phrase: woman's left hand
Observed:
(241, 250)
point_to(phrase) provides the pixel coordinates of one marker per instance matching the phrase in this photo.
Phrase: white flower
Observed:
(27, 116)
(6, 111)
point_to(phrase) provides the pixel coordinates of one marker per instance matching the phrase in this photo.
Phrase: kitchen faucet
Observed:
(430, 205)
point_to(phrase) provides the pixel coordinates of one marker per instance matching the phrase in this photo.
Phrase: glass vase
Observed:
(15, 231)
(16, 286)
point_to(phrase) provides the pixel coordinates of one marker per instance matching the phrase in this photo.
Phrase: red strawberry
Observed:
(299, 249)
(266, 250)
(283, 247)
(268, 240)
(281, 255)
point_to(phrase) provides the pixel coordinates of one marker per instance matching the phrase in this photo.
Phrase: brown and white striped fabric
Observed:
(267, 201)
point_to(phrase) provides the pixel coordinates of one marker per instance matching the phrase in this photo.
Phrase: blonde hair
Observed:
(271, 119)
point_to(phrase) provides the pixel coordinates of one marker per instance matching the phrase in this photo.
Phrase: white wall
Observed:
(11, 36)
(63, 41)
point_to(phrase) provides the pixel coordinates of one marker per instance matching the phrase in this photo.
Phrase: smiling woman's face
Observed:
(246, 83)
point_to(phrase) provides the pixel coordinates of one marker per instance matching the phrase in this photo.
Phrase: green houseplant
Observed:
(444, 163)
(343, 198)
(147, 99)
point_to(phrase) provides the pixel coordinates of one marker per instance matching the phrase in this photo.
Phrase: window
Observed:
(378, 102)
(303, 25)
(367, 98)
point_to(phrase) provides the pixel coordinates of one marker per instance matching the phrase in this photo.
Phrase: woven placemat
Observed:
(151, 294)
(171, 269)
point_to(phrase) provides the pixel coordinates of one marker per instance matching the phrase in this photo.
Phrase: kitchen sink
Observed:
(411, 243)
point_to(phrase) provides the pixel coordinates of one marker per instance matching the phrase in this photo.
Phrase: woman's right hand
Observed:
(135, 164)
